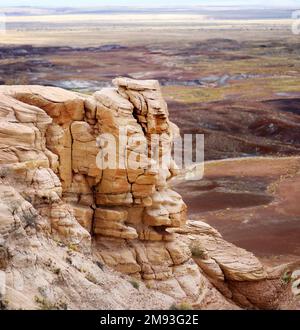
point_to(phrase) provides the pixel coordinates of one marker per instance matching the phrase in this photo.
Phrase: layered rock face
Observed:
(127, 218)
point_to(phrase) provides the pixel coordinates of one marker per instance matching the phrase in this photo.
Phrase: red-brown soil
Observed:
(253, 202)
(242, 127)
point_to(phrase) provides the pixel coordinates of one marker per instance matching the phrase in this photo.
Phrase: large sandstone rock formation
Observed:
(60, 211)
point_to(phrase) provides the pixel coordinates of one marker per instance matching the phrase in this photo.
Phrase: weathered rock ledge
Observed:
(69, 230)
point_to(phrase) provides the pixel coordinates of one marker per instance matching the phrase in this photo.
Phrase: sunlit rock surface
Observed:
(60, 211)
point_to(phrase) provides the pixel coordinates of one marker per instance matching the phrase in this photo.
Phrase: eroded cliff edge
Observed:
(68, 230)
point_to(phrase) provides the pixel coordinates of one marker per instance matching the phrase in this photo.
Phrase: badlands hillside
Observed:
(75, 237)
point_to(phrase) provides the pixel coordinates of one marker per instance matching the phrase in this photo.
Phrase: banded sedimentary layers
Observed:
(59, 210)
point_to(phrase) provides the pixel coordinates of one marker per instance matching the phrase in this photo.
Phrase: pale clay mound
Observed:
(73, 236)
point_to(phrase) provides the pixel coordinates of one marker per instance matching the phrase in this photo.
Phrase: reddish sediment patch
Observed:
(253, 202)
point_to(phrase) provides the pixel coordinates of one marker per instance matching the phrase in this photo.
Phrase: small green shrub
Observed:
(197, 252)
(73, 247)
(135, 284)
(47, 305)
(286, 277)
(181, 307)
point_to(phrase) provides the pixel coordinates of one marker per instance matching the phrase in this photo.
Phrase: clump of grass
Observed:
(286, 277)
(184, 306)
(197, 252)
(90, 277)
(69, 260)
(73, 247)
(51, 265)
(135, 284)
(45, 304)
(4, 172)
(3, 304)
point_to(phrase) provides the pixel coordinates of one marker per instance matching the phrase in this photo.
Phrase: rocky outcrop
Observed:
(54, 195)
